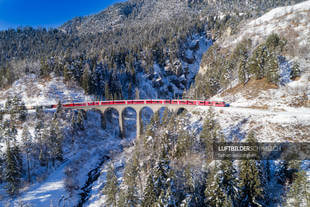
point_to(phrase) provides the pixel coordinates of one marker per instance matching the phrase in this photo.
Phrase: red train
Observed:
(147, 101)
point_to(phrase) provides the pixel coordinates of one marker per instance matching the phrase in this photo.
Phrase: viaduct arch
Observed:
(137, 108)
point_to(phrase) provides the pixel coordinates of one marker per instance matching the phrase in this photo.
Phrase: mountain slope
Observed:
(158, 61)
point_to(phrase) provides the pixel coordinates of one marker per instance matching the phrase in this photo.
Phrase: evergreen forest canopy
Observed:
(96, 51)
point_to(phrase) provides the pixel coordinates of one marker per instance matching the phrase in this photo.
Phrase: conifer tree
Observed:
(59, 111)
(67, 73)
(9, 131)
(44, 69)
(215, 192)
(39, 113)
(18, 110)
(295, 71)
(38, 135)
(2, 167)
(272, 69)
(282, 172)
(229, 181)
(1, 115)
(18, 156)
(183, 144)
(131, 174)
(58, 142)
(209, 133)
(258, 62)
(27, 148)
(55, 140)
(172, 196)
(161, 174)
(8, 104)
(86, 80)
(189, 180)
(241, 55)
(137, 94)
(130, 93)
(155, 122)
(121, 202)
(80, 120)
(166, 117)
(45, 147)
(107, 94)
(9, 108)
(242, 70)
(111, 187)
(13, 169)
(149, 196)
(250, 180)
(298, 194)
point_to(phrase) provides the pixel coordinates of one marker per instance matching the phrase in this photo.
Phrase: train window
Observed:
(138, 102)
(119, 102)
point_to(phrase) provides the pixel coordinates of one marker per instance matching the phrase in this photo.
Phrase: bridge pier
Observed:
(120, 122)
(138, 109)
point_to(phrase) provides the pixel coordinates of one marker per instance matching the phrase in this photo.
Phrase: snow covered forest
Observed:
(254, 55)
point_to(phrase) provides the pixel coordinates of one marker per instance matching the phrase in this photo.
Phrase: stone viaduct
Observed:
(138, 109)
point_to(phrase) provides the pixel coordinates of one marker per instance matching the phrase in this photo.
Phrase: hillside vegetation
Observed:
(121, 41)
(197, 49)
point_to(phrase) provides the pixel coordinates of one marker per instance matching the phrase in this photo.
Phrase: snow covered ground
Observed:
(35, 91)
(87, 154)
(292, 23)
(280, 20)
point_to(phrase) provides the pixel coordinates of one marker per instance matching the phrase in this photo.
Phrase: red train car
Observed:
(79, 104)
(106, 103)
(201, 103)
(219, 104)
(191, 102)
(208, 103)
(93, 103)
(119, 102)
(167, 101)
(157, 101)
(138, 102)
(68, 105)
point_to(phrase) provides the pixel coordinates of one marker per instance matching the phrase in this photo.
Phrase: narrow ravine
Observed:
(92, 175)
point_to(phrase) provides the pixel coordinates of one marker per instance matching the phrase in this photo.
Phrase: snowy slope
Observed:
(162, 84)
(40, 92)
(292, 23)
(280, 20)
(90, 150)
